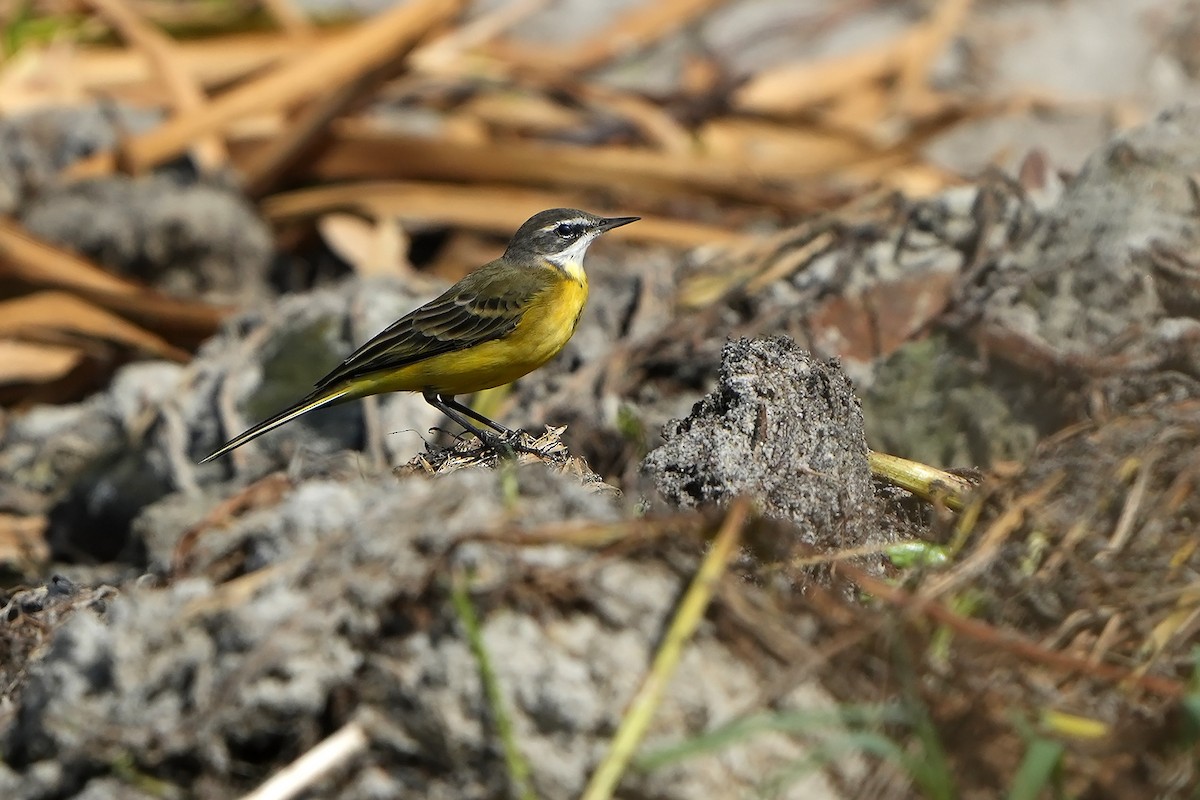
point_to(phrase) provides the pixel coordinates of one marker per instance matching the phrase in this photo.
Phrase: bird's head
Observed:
(560, 236)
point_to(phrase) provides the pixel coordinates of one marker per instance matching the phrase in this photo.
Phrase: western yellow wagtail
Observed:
(503, 320)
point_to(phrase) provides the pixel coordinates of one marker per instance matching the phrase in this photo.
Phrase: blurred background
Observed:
(310, 140)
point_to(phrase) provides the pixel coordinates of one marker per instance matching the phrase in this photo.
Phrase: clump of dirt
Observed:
(780, 427)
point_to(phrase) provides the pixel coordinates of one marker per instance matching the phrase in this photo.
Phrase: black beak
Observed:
(609, 223)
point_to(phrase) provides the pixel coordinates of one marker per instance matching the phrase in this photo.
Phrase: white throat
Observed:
(570, 260)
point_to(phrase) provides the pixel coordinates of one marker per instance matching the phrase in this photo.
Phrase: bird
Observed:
(500, 322)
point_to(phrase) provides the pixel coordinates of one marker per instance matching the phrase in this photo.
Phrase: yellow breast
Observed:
(546, 326)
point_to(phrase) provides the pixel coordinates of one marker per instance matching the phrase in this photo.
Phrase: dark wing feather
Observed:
(485, 305)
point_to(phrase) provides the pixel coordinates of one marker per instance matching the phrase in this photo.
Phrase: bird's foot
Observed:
(508, 445)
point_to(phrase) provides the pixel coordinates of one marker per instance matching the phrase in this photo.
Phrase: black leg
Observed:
(507, 442)
(459, 413)
(438, 403)
(475, 415)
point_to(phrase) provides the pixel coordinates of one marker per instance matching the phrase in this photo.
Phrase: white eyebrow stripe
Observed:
(580, 221)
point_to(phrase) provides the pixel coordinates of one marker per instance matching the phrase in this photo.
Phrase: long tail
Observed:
(318, 399)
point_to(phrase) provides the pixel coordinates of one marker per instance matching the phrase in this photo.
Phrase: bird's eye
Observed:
(566, 230)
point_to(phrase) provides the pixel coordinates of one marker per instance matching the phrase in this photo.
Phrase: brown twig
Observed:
(1008, 641)
(374, 42)
(38, 263)
(359, 151)
(183, 89)
(495, 209)
(305, 134)
(633, 30)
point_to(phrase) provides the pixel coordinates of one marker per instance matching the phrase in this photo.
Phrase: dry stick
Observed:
(447, 57)
(35, 262)
(495, 209)
(58, 311)
(1129, 512)
(632, 31)
(446, 53)
(792, 88)
(29, 362)
(942, 25)
(654, 122)
(359, 151)
(182, 322)
(333, 751)
(290, 18)
(691, 611)
(219, 61)
(1006, 640)
(305, 134)
(186, 94)
(926, 482)
(651, 120)
(29, 259)
(1180, 622)
(1105, 640)
(988, 548)
(372, 43)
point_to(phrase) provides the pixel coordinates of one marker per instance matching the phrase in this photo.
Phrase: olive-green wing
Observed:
(485, 305)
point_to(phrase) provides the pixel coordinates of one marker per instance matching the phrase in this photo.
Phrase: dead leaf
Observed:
(370, 247)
